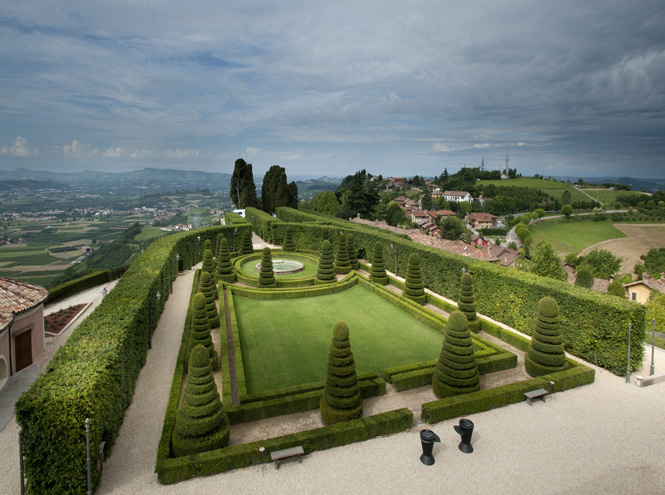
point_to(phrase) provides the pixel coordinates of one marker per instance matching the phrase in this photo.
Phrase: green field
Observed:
(554, 189)
(567, 236)
(150, 233)
(608, 196)
(286, 342)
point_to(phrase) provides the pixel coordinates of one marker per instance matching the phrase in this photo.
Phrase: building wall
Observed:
(642, 291)
(33, 319)
(4, 358)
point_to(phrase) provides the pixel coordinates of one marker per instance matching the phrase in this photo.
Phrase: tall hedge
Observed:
(224, 269)
(200, 334)
(456, 371)
(377, 273)
(267, 274)
(288, 244)
(342, 262)
(207, 288)
(466, 302)
(545, 353)
(341, 399)
(353, 253)
(414, 288)
(201, 423)
(325, 272)
(246, 246)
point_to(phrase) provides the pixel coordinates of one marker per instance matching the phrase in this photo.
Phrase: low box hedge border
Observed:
(239, 456)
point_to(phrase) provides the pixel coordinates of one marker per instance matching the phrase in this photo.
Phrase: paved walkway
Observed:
(601, 438)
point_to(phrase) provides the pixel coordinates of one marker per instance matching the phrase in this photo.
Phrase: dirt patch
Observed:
(641, 238)
(56, 322)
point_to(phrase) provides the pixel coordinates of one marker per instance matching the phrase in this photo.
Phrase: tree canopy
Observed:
(547, 264)
(276, 192)
(243, 189)
(601, 263)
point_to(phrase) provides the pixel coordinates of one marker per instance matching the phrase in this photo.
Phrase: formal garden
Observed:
(340, 329)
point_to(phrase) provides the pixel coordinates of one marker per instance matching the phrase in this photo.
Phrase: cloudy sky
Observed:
(328, 88)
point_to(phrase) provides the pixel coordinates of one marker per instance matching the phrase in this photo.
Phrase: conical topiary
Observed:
(208, 264)
(218, 245)
(377, 273)
(353, 254)
(200, 332)
(246, 246)
(341, 399)
(224, 267)
(289, 245)
(207, 288)
(456, 371)
(342, 263)
(545, 353)
(325, 272)
(267, 274)
(467, 303)
(207, 244)
(414, 287)
(200, 424)
(325, 236)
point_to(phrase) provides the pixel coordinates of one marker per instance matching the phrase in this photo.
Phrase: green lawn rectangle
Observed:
(286, 342)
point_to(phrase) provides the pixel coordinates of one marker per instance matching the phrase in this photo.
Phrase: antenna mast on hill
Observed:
(507, 163)
(482, 165)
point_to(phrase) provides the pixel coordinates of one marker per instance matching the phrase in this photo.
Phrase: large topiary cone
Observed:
(224, 267)
(353, 254)
(208, 288)
(218, 245)
(342, 263)
(467, 303)
(545, 353)
(201, 424)
(208, 264)
(267, 274)
(414, 288)
(200, 332)
(246, 246)
(289, 245)
(325, 272)
(377, 273)
(341, 399)
(456, 371)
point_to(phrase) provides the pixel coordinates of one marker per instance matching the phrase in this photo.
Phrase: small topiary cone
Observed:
(208, 264)
(200, 331)
(289, 245)
(545, 353)
(207, 287)
(456, 371)
(224, 267)
(341, 399)
(246, 246)
(325, 272)
(353, 254)
(342, 263)
(267, 274)
(377, 273)
(201, 424)
(414, 287)
(467, 303)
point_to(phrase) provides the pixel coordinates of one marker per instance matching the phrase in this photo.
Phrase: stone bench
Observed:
(280, 455)
(541, 394)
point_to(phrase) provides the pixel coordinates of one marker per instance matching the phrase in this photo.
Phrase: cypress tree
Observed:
(325, 272)
(207, 288)
(208, 264)
(377, 273)
(267, 274)
(225, 271)
(545, 353)
(467, 303)
(246, 246)
(341, 399)
(201, 424)
(289, 245)
(342, 263)
(200, 332)
(414, 286)
(456, 371)
(353, 254)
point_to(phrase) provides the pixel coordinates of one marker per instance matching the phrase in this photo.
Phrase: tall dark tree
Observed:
(341, 400)
(275, 191)
(243, 189)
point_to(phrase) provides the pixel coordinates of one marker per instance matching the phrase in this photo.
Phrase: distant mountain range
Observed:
(649, 185)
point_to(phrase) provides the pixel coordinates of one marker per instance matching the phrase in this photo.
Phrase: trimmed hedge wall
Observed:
(94, 374)
(75, 286)
(262, 223)
(484, 400)
(233, 218)
(239, 456)
(594, 325)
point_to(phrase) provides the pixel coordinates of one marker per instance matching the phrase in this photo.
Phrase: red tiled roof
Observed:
(16, 297)
(652, 283)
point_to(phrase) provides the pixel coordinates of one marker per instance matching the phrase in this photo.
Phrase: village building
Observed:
(641, 290)
(457, 196)
(481, 220)
(22, 337)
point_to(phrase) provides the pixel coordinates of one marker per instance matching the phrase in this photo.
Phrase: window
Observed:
(634, 296)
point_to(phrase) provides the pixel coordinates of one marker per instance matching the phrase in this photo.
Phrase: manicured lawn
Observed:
(567, 236)
(249, 266)
(286, 343)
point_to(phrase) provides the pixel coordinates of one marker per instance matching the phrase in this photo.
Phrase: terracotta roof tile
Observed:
(16, 297)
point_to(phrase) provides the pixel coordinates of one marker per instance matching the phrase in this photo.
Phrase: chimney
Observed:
(645, 276)
(611, 278)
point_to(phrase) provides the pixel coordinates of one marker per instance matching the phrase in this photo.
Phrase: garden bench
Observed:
(541, 394)
(280, 455)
